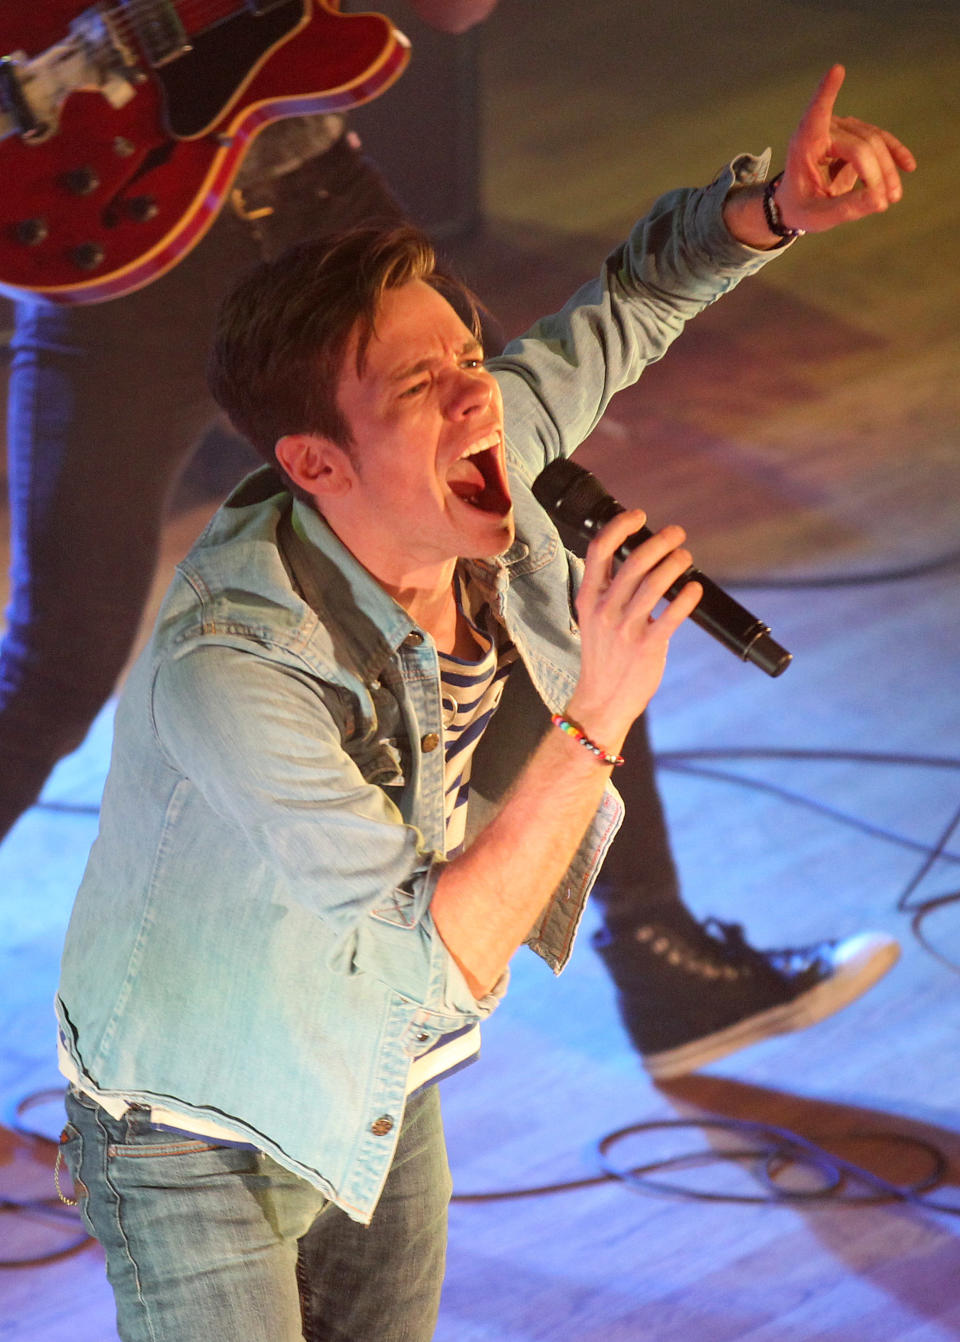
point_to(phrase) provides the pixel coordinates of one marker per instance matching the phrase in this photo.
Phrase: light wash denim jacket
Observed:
(252, 941)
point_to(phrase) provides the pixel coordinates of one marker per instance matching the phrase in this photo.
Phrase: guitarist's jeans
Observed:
(223, 1244)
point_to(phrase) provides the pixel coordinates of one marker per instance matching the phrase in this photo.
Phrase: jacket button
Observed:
(382, 1126)
(429, 742)
(413, 639)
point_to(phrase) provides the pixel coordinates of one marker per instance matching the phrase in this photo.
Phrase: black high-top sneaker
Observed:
(689, 997)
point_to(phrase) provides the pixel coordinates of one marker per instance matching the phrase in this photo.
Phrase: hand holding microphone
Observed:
(623, 644)
(575, 497)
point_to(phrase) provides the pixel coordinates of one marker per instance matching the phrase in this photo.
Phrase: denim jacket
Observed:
(252, 940)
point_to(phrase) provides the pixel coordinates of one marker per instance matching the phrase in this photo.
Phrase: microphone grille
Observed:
(574, 496)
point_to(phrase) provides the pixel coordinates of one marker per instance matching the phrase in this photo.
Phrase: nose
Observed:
(470, 390)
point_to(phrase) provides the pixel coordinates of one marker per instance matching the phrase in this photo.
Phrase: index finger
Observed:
(603, 547)
(816, 119)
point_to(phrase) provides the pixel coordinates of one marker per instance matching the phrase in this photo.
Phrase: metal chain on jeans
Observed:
(57, 1165)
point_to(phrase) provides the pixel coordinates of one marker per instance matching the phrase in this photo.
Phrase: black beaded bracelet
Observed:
(771, 212)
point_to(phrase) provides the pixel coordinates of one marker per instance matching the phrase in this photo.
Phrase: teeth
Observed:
(484, 445)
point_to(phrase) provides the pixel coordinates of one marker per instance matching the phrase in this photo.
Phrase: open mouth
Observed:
(478, 479)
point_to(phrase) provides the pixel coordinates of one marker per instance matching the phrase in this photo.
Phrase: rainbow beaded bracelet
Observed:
(571, 729)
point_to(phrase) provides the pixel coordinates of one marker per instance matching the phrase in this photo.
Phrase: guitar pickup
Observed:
(159, 32)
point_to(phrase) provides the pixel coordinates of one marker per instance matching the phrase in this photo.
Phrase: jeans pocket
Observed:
(155, 1158)
(159, 1145)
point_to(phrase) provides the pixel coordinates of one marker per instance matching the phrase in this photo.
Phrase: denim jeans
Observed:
(214, 1243)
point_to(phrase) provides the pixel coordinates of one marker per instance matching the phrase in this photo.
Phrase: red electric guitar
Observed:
(123, 124)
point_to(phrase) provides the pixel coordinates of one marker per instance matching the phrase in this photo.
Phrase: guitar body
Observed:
(112, 196)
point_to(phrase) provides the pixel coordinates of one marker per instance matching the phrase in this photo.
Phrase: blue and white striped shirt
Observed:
(470, 694)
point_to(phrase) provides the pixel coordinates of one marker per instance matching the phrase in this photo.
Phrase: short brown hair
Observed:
(282, 332)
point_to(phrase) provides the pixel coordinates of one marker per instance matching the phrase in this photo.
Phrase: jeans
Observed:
(214, 1243)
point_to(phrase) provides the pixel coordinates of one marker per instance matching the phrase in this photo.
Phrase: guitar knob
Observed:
(82, 181)
(31, 232)
(87, 255)
(142, 208)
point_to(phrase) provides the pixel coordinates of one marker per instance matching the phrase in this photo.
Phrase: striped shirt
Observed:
(470, 693)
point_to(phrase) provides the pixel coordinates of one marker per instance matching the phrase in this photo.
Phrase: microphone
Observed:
(575, 497)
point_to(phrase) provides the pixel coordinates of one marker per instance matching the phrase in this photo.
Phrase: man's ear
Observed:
(318, 465)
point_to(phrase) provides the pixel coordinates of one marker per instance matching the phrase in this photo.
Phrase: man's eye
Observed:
(414, 390)
(473, 363)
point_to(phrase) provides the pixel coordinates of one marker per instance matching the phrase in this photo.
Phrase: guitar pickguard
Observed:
(199, 86)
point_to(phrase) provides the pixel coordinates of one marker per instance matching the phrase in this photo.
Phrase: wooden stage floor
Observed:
(806, 426)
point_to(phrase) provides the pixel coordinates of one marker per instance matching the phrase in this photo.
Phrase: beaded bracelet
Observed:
(771, 212)
(571, 729)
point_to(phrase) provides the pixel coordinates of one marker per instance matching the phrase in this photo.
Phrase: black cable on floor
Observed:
(773, 1151)
(921, 909)
(689, 762)
(677, 765)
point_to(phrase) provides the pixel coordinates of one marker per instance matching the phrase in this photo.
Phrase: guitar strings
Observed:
(194, 15)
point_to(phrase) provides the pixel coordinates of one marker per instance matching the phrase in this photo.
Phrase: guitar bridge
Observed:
(20, 115)
(159, 32)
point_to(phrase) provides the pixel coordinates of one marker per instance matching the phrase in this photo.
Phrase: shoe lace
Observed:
(734, 949)
(727, 946)
(714, 950)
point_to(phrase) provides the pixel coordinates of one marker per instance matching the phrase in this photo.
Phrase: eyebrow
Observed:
(411, 370)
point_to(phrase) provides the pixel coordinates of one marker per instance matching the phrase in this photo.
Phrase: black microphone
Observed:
(575, 497)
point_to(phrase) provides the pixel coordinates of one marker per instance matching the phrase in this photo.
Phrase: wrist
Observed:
(746, 220)
(773, 215)
(573, 730)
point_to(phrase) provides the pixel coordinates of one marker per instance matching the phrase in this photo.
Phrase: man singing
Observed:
(367, 754)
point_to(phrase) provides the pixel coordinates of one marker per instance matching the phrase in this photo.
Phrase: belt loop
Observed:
(137, 1119)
